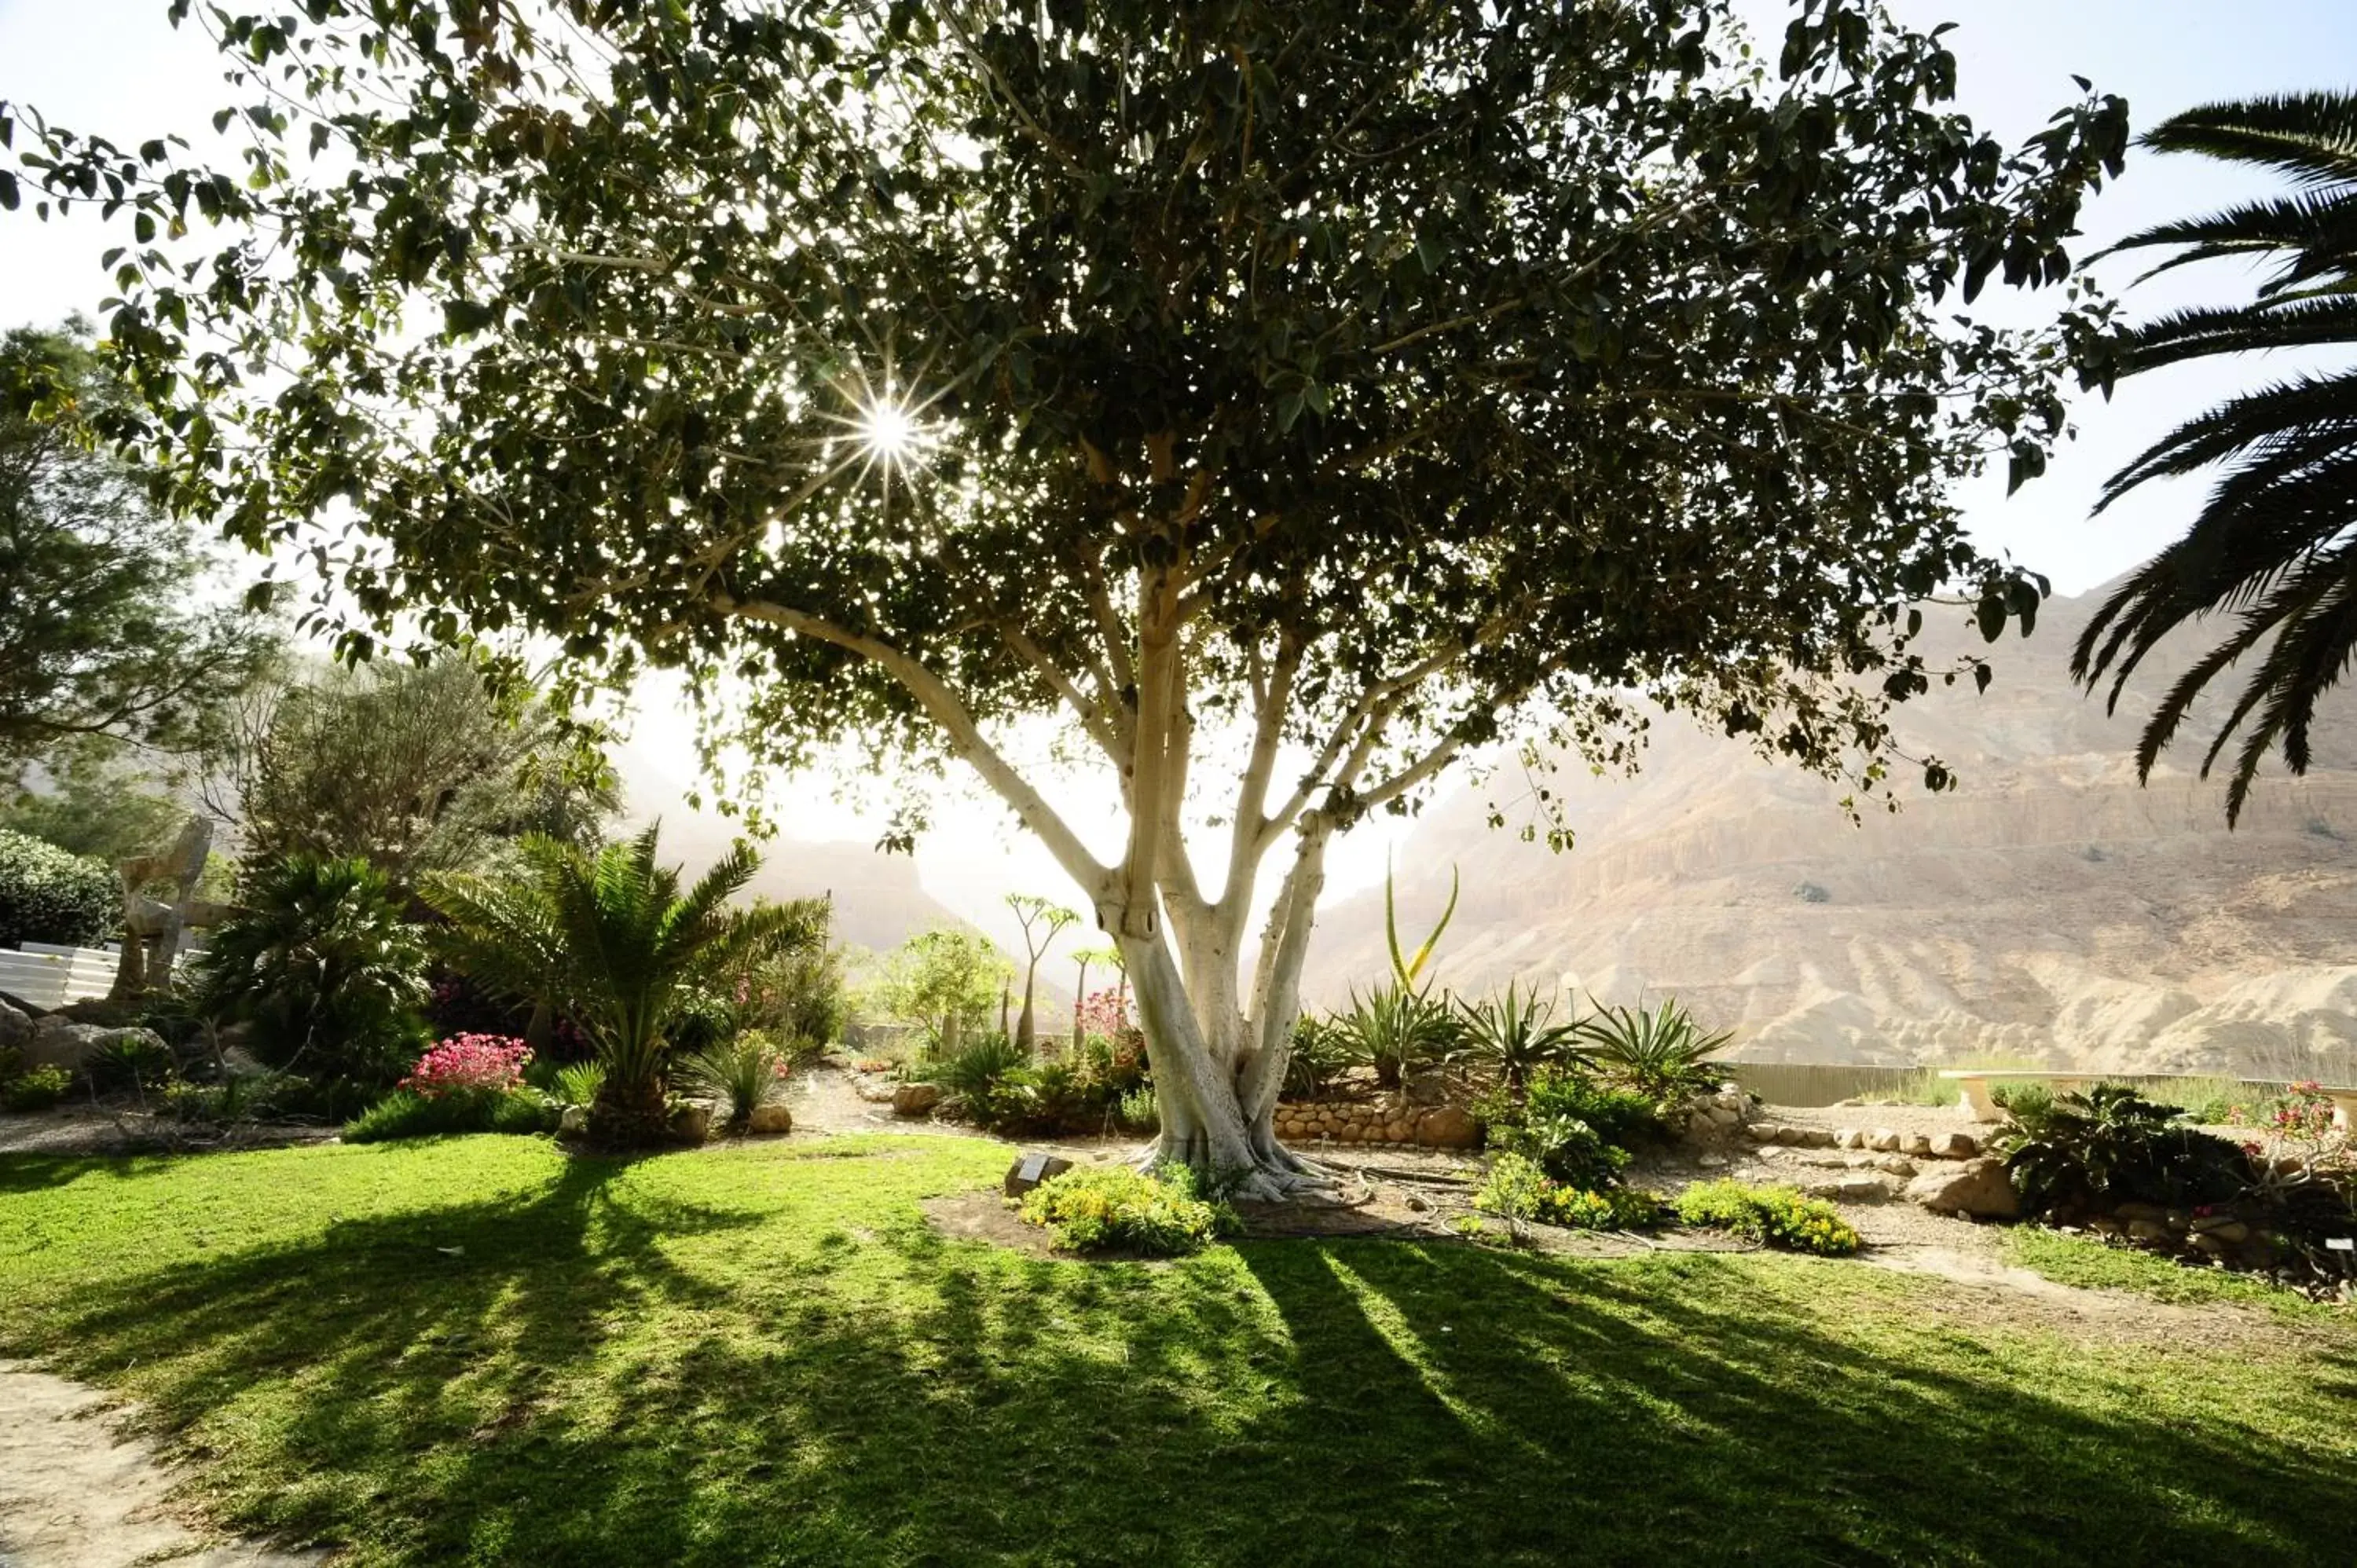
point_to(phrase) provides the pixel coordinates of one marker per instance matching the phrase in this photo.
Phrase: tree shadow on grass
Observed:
(32, 1172)
(578, 1376)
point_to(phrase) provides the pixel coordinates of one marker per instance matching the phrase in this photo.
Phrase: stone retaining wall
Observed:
(1377, 1121)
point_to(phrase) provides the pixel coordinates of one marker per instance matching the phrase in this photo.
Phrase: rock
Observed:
(60, 1042)
(1916, 1143)
(691, 1120)
(1883, 1141)
(1416, 1205)
(2129, 1213)
(1722, 1116)
(2150, 1230)
(1849, 1138)
(2224, 1227)
(1031, 1170)
(1897, 1164)
(1815, 1138)
(1700, 1127)
(16, 1029)
(2105, 1225)
(2210, 1244)
(1956, 1146)
(1853, 1189)
(1711, 1162)
(1733, 1100)
(1448, 1127)
(771, 1118)
(916, 1098)
(1761, 1132)
(1979, 1188)
(573, 1123)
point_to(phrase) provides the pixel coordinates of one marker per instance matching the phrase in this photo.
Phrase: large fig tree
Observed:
(1367, 383)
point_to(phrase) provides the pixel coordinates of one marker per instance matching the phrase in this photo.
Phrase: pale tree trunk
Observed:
(1219, 1053)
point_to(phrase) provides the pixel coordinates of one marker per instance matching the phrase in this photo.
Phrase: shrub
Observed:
(49, 896)
(469, 1064)
(745, 1073)
(1117, 1209)
(35, 1090)
(1776, 1215)
(1661, 1052)
(404, 1113)
(127, 1061)
(1619, 1116)
(1577, 1128)
(2111, 1146)
(1518, 1189)
(1138, 1112)
(320, 963)
(974, 1078)
(240, 1097)
(576, 1083)
(1566, 1148)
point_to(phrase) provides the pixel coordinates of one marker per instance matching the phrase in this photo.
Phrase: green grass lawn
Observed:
(479, 1351)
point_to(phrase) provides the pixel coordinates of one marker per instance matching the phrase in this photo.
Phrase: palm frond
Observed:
(2237, 330)
(2311, 136)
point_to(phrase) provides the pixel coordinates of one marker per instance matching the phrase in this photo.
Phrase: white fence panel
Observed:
(47, 975)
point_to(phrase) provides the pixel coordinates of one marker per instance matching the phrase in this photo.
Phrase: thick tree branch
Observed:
(944, 708)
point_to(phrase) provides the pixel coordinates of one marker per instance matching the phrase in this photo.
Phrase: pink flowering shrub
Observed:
(1106, 1013)
(469, 1064)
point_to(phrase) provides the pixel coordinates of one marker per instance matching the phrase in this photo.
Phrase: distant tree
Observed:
(113, 618)
(1367, 383)
(1086, 957)
(1042, 920)
(2275, 545)
(944, 979)
(95, 803)
(415, 767)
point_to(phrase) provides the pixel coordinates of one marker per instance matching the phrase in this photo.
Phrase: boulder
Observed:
(2150, 1230)
(1979, 1188)
(1916, 1143)
(1448, 1127)
(1849, 1138)
(16, 1029)
(1853, 1189)
(1896, 1164)
(771, 1118)
(691, 1120)
(2130, 1213)
(59, 1041)
(1815, 1138)
(1724, 1116)
(1883, 1141)
(1031, 1170)
(1956, 1146)
(916, 1098)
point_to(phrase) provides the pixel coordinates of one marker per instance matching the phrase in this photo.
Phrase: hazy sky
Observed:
(116, 67)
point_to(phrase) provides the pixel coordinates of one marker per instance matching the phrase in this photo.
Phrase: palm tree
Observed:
(608, 939)
(2276, 542)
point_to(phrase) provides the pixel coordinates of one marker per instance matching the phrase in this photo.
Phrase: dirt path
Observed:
(75, 1495)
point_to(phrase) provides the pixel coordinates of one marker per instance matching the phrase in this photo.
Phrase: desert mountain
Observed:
(2049, 909)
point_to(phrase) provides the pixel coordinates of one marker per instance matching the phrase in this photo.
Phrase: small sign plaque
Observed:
(2340, 1243)
(1032, 1166)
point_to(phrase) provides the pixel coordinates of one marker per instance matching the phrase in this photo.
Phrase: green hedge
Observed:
(49, 896)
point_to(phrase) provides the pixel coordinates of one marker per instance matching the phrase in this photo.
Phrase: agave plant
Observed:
(609, 939)
(1510, 1036)
(1400, 1025)
(744, 1074)
(1659, 1051)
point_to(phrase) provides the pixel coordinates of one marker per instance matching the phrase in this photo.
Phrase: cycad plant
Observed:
(2273, 544)
(608, 939)
(321, 967)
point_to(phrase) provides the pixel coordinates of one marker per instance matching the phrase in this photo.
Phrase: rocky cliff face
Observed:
(2048, 909)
